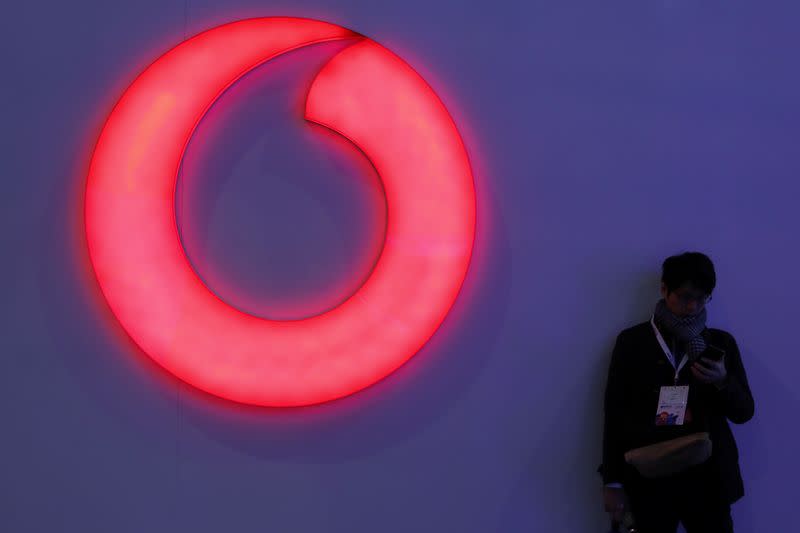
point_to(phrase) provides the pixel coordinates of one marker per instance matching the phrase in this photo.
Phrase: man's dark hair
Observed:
(689, 267)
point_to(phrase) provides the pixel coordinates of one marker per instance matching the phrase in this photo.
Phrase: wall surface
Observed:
(603, 137)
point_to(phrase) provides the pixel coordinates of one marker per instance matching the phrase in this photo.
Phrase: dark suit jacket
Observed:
(637, 371)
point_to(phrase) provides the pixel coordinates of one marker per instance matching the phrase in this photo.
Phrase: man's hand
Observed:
(615, 502)
(707, 370)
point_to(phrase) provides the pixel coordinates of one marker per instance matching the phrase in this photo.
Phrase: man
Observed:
(664, 358)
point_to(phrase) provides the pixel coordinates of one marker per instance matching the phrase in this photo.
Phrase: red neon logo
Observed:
(365, 93)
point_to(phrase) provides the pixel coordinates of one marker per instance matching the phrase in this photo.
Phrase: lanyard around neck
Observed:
(667, 351)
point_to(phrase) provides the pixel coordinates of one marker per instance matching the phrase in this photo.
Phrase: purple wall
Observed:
(603, 138)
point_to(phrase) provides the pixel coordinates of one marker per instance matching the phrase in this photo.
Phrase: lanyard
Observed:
(667, 351)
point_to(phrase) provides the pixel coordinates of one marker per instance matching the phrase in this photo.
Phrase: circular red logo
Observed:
(365, 93)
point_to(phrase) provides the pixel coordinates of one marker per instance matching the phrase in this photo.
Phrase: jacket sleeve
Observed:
(614, 415)
(735, 397)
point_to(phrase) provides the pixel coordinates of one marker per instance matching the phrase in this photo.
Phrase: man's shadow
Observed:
(567, 494)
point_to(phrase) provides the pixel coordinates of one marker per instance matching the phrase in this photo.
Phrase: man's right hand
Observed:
(615, 502)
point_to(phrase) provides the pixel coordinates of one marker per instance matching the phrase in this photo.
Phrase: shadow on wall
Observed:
(564, 494)
(558, 494)
(399, 406)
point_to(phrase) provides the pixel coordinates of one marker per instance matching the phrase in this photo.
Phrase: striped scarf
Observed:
(685, 331)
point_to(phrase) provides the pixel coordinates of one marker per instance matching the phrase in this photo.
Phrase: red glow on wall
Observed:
(365, 93)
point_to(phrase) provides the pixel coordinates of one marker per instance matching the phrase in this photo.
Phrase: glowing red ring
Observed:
(365, 93)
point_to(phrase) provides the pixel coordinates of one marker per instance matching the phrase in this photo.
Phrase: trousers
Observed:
(693, 498)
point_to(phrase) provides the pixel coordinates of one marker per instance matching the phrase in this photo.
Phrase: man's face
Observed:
(687, 300)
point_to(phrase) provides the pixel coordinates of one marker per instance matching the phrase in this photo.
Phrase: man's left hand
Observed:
(707, 370)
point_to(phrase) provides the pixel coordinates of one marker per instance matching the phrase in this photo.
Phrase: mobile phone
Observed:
(713, 353)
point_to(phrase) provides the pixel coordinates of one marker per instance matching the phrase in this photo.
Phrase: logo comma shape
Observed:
(364, 93)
